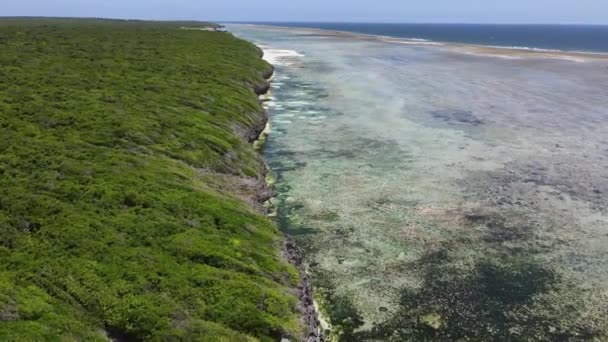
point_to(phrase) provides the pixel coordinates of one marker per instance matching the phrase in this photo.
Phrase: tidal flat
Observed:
(442, 192)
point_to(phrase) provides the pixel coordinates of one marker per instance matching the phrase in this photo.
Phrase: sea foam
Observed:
(279, 56)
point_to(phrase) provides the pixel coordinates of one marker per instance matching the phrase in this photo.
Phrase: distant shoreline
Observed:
(508, 52)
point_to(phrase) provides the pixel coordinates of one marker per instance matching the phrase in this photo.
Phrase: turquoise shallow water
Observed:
(441, 193)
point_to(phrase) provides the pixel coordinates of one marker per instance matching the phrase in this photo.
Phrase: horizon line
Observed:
(310, 21)
(399, 23)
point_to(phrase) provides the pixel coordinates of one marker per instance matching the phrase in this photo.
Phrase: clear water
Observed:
(442, 194)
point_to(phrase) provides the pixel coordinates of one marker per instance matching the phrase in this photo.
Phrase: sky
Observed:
(397, 11)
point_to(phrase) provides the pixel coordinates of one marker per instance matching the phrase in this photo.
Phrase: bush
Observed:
(114, 136)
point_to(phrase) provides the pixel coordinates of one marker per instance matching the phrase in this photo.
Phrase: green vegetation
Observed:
(123, 169)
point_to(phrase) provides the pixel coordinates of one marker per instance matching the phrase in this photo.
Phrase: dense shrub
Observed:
(113, 138)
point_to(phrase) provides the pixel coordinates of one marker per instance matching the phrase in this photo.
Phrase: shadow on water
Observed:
(493, 302)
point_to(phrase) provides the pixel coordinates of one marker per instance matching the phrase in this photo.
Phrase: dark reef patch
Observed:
(492, 302)
(522, 183)
(457, 117)
(345, 318)
(499, 228)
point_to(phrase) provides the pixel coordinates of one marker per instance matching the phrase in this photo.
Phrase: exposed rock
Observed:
(311, 322)
(290, 250)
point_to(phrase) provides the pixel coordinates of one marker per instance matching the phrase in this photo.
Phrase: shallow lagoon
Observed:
(442, 192)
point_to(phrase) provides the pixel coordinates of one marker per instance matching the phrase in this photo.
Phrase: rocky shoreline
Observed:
(304, 291)
(289, 249)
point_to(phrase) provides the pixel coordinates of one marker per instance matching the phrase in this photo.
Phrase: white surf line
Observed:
(280, 57)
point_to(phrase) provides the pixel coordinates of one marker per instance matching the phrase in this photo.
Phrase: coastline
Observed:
(290, 251)
(507, 52)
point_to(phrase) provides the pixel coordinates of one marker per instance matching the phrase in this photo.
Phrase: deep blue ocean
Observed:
(554, 37)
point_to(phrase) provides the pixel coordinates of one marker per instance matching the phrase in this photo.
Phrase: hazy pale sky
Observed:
(454, 11)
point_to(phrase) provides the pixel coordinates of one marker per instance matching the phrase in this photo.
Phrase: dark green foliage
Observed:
(111, 133)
